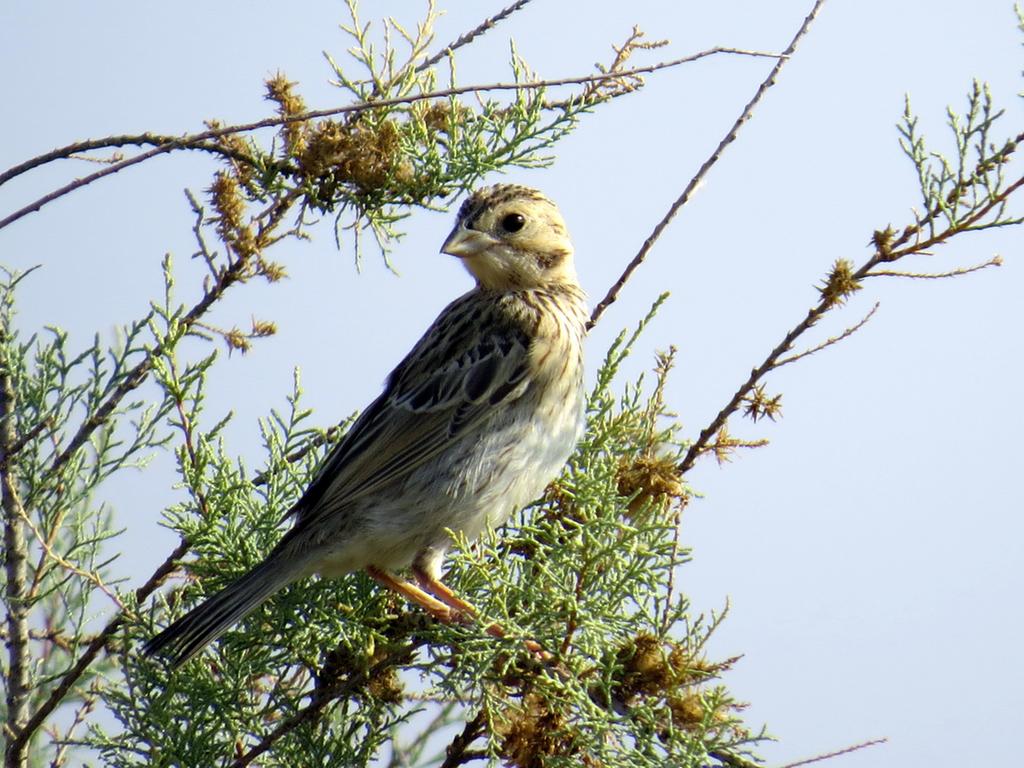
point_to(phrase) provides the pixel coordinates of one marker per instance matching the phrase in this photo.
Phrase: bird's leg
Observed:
(447, 606)
(442, 593)
(461, 607)
(413, 594)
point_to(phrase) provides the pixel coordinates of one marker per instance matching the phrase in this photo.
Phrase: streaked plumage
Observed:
(471, 426)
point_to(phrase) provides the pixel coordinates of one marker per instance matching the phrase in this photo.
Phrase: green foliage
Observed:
(959, 193)
(80, 417)
(586, 573)
(971, 192)
(602, 662)
(410, 148)
(69, 575)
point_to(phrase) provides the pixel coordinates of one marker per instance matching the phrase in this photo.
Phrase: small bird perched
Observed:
(472, 425)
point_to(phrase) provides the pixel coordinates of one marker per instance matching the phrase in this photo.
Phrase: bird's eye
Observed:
(513, 222)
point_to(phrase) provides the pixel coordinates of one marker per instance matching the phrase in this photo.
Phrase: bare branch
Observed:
(17, 680)
(464, 39)
(700, 444)
(885, 252)
(830, 755)
(27, 437)
(194, 140)
(73, 675)
(698, 178)
(58, 638)
(46, 542)
(458, 752)
(831, 339)
(995, 261)
(330, 690)
(72, 151)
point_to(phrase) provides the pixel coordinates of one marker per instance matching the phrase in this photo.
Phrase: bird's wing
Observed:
(451, 380)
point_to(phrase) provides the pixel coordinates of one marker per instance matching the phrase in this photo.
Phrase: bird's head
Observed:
(511, 237)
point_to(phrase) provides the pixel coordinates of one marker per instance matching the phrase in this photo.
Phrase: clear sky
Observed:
(872, 553)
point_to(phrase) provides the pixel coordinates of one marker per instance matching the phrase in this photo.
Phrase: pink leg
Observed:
(412, 593)
(442, 593)
(461, 607)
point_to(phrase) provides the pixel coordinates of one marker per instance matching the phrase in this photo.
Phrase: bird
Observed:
(472, 425)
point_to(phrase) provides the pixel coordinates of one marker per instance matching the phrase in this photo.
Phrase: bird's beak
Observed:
(464, 242)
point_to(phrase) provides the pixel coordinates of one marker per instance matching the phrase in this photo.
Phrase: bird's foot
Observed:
(462, 608)
(443, 604)
(412, 593)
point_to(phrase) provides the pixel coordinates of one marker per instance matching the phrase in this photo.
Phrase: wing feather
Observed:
(447, 385)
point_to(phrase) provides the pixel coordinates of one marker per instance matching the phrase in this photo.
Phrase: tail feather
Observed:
(206, 622)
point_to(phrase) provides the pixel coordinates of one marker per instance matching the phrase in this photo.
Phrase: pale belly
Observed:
(475, 486)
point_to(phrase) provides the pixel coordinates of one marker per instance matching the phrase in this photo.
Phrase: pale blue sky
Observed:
(872, 553)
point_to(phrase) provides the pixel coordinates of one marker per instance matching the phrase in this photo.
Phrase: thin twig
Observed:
(46, 542)
(190, 448)
(81, 713)
(458, 752)
(17, 680)
(312, 444)
(27, 437)
(134, 378)
(698, 178)
(54, 636)
(995, 261)
(830, 755)
(197, 230)
(72, 676)
(464, 39)
(831, 340)
(194, 140)
(111, 142)
(332, 691)
(725, 445)
(670, 585)
(402, 756)
(914, 231)
(699, 446)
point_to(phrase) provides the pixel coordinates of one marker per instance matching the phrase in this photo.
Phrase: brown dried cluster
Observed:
(242, 235)
(535, 731)
(241, 340)
(840, 283)
(759, 404)
(365, 155)
(379, 667)
(651, 482)
(437, 116)
(241, 154)
(289, 105)
(229, 205)
(658, 669)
